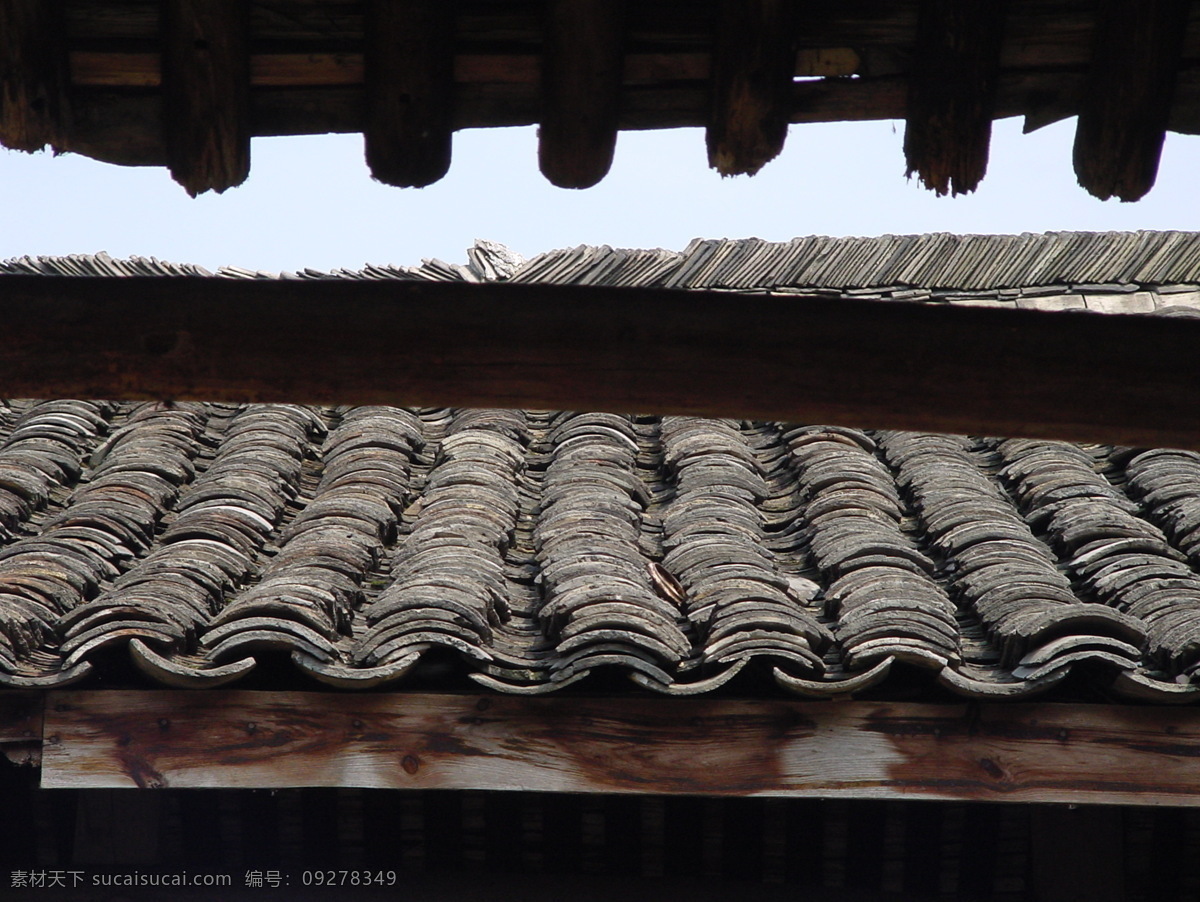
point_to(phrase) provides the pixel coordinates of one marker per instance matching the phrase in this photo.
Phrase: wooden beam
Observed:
(21, 728)
(582, 69)
(1124, 379)
(206, 93)
(1095, 754)
(34, 106)
(754, 64)
(952, 93)
(102, 68)
(1128, 95)
(409, 72)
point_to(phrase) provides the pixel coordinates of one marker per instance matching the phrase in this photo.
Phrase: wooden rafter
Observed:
(409, 66)
(581, 90)
(1124, 379)
(952, 93)
(1128, 95)
(1028, 753)
(754, 62)
(206, 93)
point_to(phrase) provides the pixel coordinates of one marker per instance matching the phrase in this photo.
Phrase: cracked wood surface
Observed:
(1027, 753)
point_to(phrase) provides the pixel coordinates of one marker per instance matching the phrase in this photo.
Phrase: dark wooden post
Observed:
(582, 67)
(1127, 95)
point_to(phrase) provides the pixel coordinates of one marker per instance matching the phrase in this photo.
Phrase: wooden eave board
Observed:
(1018, 753)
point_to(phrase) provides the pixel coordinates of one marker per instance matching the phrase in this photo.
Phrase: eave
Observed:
(186, 84)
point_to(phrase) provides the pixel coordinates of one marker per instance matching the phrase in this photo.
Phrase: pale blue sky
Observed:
(311, 202)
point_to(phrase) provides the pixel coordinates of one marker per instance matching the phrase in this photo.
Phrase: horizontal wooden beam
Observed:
(1026, 753)
(98, 68)
(1124, 379)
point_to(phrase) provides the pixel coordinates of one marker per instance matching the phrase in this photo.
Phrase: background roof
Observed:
(528, 550)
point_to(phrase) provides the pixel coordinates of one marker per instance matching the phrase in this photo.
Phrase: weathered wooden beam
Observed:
(21, 727)
(754, 63)
(582, 66)
(206, 92)
(1094, 754)
(34, 105)
(409, 72)
(1124, 379)
(952, 93)
(1128, 95)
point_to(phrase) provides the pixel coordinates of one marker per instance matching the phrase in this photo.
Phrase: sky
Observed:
(310, 201)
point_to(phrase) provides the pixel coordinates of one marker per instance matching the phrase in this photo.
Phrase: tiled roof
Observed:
(536, 547)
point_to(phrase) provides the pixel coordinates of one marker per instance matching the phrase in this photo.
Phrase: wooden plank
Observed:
(34, 107)
(1095, 754)
(206, 93)
(582, 64)
(1128, 96)
(409, 71)
(952, 93)
(1125, 379)
(754, 56)
(21, 727)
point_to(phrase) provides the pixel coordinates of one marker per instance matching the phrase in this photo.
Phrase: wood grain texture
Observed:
(1123, 379)
(206, 93)
(1041, 752)
(21, 727)
(1128, 95)
(34, 105)
(754, 63)
(952, 93)
(409, 100)
(581, 80)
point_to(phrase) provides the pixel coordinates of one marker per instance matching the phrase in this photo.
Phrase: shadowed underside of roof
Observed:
(187, 83)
